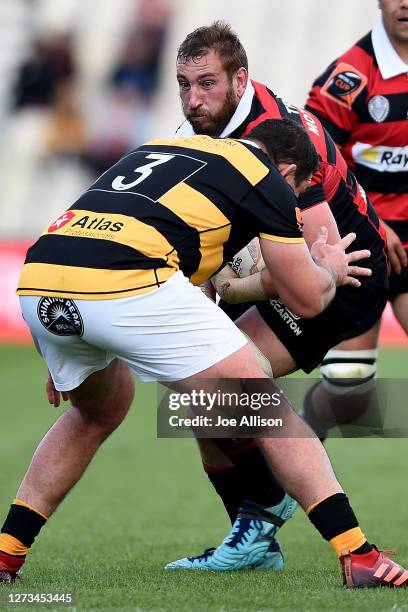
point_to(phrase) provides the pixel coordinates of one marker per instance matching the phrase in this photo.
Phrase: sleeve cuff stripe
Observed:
(282, 239)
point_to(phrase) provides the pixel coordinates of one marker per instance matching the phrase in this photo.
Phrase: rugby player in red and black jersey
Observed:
(219, 99)
(362, 100)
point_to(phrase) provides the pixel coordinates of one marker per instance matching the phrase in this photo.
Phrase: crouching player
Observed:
(120, 262)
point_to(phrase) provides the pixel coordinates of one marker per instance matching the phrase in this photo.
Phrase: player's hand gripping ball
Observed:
(248, 260)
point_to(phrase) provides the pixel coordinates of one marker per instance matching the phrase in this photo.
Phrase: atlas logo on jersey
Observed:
(344, 84)
(102, 224)
(61, 221)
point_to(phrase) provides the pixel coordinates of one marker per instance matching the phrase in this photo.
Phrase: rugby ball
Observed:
(248, 260)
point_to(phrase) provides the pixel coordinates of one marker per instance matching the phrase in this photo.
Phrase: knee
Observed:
(346, 391)
(104, 402)
(344, 371)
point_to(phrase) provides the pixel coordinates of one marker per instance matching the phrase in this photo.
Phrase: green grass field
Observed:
(144, 502)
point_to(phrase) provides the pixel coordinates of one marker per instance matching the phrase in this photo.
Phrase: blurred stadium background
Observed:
(81, 83)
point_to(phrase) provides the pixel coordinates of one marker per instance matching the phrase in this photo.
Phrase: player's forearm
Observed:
(308, 296)
(305, 286)
(239, 290)
(323, 287)
(310, 292)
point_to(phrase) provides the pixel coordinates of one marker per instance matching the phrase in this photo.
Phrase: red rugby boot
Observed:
(9, 567)
(372, 569)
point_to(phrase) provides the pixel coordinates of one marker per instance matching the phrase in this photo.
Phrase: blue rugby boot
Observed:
(251, 536)
(273, 559)
(251, 543)
(200, 562)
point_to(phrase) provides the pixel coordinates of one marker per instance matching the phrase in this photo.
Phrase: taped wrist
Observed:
(238, 290)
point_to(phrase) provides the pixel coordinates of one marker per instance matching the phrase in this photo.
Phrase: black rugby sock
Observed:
(336, 522)
(227, 483)
(18, 533)
(22, 523)
(257, 483)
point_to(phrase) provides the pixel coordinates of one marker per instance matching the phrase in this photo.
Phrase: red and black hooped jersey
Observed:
(367, 115)
(188, 204)
(333, 182)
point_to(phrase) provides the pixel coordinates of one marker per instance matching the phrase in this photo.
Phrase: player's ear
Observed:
(240, 80)
(287, 171)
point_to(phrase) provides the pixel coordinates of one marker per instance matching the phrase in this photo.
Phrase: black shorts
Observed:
(398, 283)
(352, 312)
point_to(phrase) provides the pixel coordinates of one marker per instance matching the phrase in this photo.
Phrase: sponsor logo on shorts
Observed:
(60, 316)
(344, 84)
(61, 221)
(287, 316)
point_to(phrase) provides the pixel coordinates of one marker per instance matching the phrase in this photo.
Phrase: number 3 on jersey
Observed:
(148, 173)
(145, 171)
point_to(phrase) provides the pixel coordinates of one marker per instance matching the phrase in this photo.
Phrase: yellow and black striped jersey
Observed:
(188, 204)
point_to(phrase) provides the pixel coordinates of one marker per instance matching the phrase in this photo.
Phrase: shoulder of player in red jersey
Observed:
(332, 182)
(274, 107)
(267, 105)
(366, 113)
(336, 94)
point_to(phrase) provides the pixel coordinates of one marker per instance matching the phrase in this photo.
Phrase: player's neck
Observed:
(401, 47)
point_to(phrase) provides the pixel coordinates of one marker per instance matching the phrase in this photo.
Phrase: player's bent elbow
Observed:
(319, 303)
(305, 311)
(310, 311)
(312, 299)
(307, 307)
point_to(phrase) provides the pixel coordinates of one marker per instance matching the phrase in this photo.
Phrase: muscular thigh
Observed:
(366, 341)
(106, 392)
(267, 341)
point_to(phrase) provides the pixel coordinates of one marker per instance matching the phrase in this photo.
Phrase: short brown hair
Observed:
(221, 38)
(287, 142)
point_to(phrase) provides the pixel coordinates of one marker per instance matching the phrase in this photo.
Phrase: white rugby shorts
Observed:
(168, 334)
